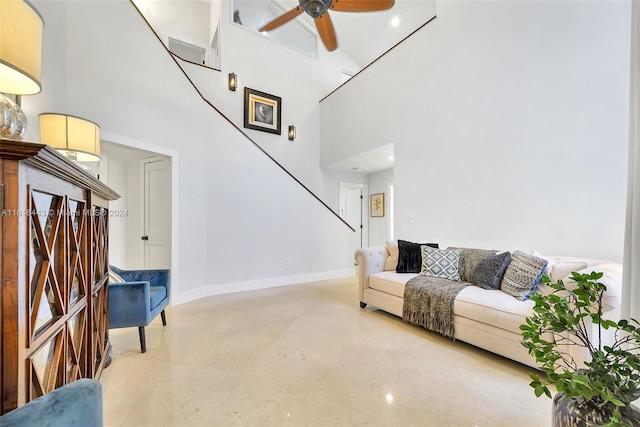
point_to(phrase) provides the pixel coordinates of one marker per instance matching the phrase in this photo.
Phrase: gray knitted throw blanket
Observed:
(428, 302)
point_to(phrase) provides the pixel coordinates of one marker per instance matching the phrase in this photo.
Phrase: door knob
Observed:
(144, 238)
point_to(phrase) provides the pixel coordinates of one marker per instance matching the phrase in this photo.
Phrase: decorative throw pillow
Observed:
(410, 257)
(443, 263)
(559, 270)
(114, 277)
(522, 275)
(489, 271)
(469, 259)
(392, 260)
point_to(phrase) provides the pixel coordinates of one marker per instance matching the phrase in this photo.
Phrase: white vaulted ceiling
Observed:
(364, 36)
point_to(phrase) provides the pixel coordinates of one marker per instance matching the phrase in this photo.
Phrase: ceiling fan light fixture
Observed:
(315, 8)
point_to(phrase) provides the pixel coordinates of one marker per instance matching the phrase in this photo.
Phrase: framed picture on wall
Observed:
(262, 111)
(376, 204)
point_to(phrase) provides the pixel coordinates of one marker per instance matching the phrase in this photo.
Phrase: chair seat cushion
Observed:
(157, 293)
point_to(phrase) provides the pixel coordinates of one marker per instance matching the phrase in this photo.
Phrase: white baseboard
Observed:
(252, 285)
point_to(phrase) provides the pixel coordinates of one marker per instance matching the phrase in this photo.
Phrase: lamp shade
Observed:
(77, 138)
(20, 47)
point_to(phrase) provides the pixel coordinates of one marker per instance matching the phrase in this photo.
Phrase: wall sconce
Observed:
(74, 137)
(233, 82)
(20, 62)
(292, 132)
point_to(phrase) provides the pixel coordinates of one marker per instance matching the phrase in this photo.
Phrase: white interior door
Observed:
(156, 213)
(353, 212)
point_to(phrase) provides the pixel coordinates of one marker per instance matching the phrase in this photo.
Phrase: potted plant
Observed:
(600, 392)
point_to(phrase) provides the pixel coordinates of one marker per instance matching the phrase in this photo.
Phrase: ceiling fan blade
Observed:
(282, 19)
(326, 31)
(361, 5)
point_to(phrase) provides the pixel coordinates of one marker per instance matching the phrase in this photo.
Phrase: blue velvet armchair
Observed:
(78, 404)
(138, 300)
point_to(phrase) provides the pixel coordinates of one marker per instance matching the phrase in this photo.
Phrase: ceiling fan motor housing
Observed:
(315, 8)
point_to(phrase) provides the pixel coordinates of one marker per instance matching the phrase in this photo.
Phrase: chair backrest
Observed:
(78, 404)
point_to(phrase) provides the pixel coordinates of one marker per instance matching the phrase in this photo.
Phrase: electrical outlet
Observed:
(412, 219)
(286, 261)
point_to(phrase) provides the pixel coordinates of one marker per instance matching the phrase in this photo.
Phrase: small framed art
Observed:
(376, 204)
(262, 111)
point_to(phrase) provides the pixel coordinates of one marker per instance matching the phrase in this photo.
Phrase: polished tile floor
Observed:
(307, 355)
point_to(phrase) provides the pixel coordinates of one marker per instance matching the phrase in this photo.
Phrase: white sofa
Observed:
(489, 319)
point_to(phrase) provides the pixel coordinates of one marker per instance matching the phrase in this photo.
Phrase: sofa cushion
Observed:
(442, 263)
(410, 256)
(390, 282)
(391, 262)
(522, 275)
(469, 260)
(492, 307)
(489, 272)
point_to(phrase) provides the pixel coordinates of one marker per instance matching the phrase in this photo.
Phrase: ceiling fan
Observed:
(318, 9)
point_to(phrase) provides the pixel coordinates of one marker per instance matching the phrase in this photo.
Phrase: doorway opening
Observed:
(140, 235)
(187, 51)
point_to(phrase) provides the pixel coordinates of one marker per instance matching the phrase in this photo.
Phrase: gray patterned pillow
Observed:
(443, 263)
(469, 259)
(488, 273)
(522, 275)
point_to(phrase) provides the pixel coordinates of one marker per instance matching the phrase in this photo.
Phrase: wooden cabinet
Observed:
(54, 222)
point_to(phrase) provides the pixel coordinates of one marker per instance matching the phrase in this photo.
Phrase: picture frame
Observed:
(376, 205)
(262, 111)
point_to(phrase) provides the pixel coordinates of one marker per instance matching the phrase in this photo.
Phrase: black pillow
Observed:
(488, 273)
(410, 256)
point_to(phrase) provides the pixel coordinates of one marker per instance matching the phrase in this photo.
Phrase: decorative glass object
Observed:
(13, 121)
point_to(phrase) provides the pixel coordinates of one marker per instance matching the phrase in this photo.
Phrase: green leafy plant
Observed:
(611, 379)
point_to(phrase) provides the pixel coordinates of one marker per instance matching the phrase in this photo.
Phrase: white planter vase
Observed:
(579, 413)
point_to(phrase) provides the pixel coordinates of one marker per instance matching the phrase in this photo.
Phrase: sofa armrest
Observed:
(611, 304)
(370, 260)
(129, 304)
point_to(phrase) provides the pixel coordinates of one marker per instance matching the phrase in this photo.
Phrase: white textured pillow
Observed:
(559, 270)
(114, 277)
(522, 275)
(443, 263)
(392, 260)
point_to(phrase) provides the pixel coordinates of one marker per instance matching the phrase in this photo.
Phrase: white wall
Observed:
(301, 81)
(379, 226)
(236, 215)
(261, 64)
(113, 173)
(510, 124)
